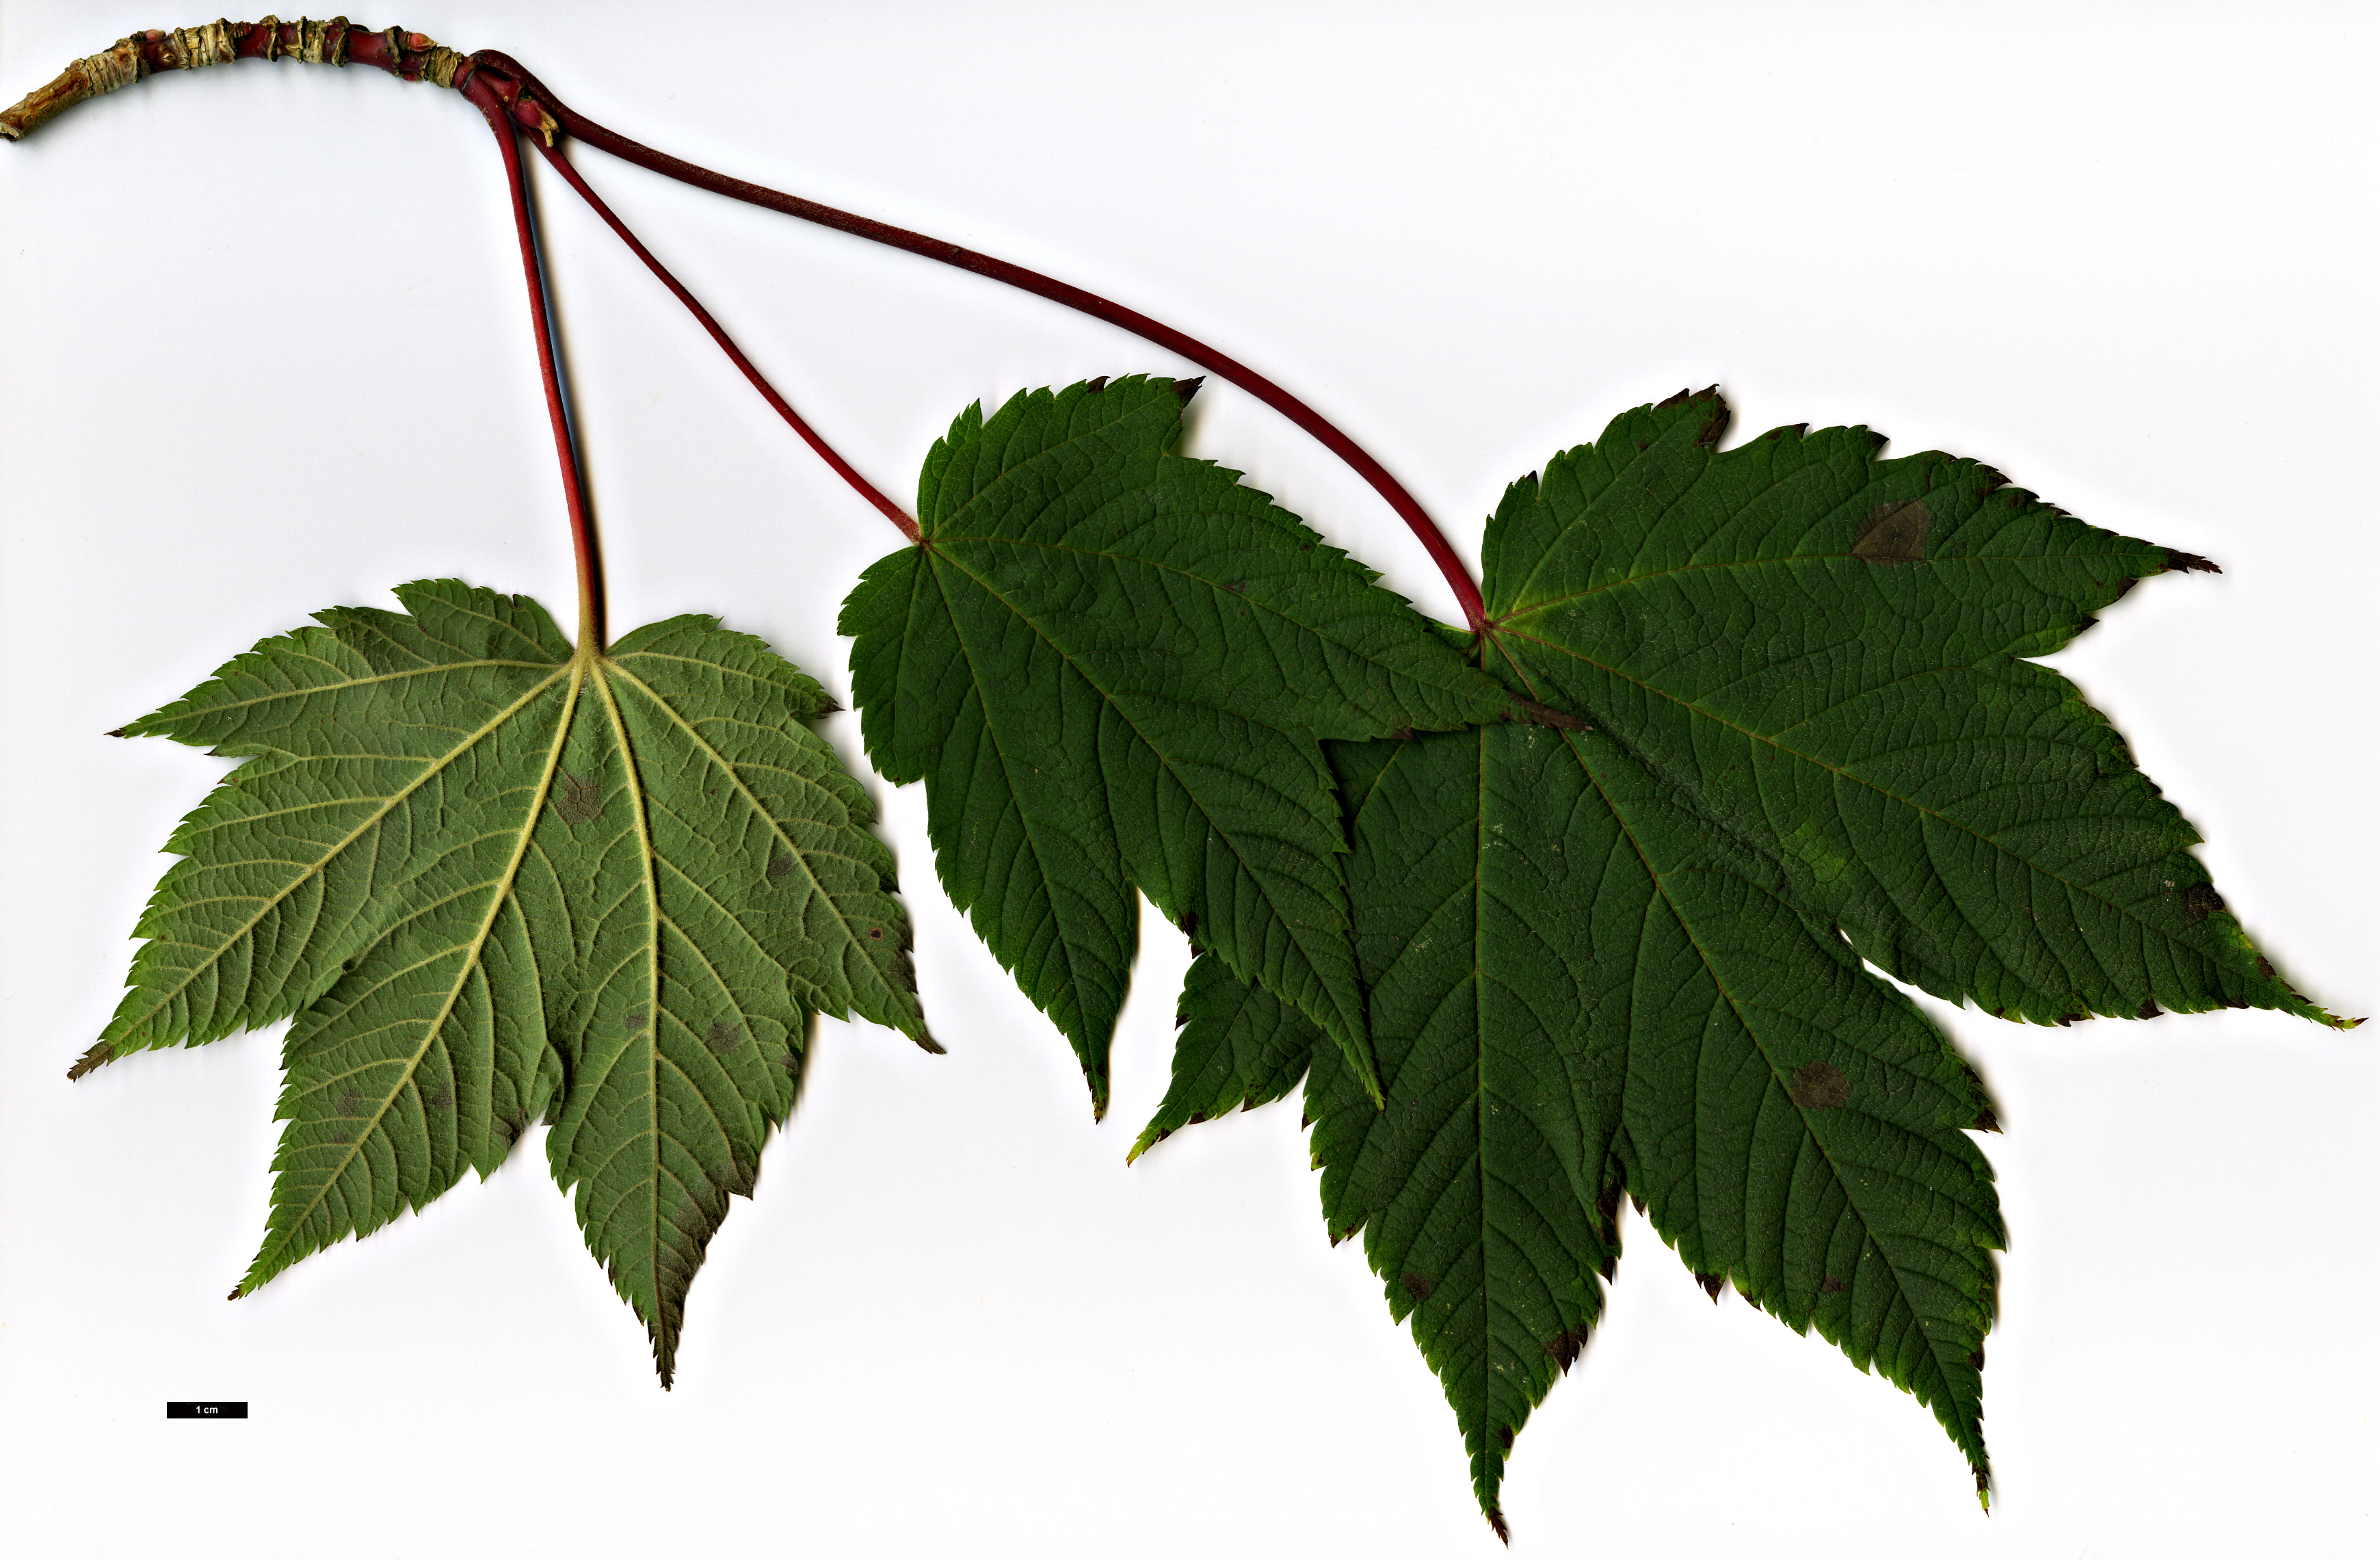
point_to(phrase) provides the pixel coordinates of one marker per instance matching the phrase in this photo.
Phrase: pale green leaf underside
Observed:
(496, 882)
(1109, 664)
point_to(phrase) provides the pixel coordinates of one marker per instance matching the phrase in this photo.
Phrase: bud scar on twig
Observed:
(405, 54)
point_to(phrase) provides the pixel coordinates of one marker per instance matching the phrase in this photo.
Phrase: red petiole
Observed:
(506, 91)
(826, 451)
(534, 105)
(585, 549)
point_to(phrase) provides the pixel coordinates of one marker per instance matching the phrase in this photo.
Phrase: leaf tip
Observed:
(1495, 1514)
(1185, 388)
(93, 1060)
(1712, 1284)
(2177, 561)
(118, 732)
(1717, 415)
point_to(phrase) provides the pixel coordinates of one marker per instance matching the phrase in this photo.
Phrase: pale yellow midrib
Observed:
(500, 895)
(119, 1026)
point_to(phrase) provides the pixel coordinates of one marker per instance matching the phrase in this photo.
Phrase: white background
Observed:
(265, 352)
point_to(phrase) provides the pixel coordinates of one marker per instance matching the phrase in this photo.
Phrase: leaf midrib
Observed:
(1277, 614)
(776, 828)
(664, 1337)
(1660, 885)
(499, 895)
(429, 670)
(1689, 705)
(1519, 613)
(430, 769)
(1219, 832)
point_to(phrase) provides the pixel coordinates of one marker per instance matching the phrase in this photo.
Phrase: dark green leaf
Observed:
(1109, 664)
(497, 882)
(1240, 1047)
(1620, 958)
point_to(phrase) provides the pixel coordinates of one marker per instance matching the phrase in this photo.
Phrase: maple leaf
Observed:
(1623, 957)
(497, 880)
(1109, 664)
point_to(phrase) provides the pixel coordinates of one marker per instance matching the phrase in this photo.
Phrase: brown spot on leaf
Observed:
(2199, 901)
(1565, 1346)
(1819, 1086)
(1639, 1203)
(634, 1021)
(1833, 1285)
(576, 800)
(118, 732)
(1894, 533)
(96, 1057)
(2149, 1009)
(441, 1098)
(1096, 385)
(1712, 1283)
(1986, 1121)
(2264, 967)
(1504, 1435)
(1976, 1361)
(1185, 388)
(2189, 563)
(350, 1101)
(780, 864)
(2124, 588)
(1416, 1285)
(725, 1036)
(876, 932)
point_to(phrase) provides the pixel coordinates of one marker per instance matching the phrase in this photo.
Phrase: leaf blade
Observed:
(608, 891)
(1151, 650)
